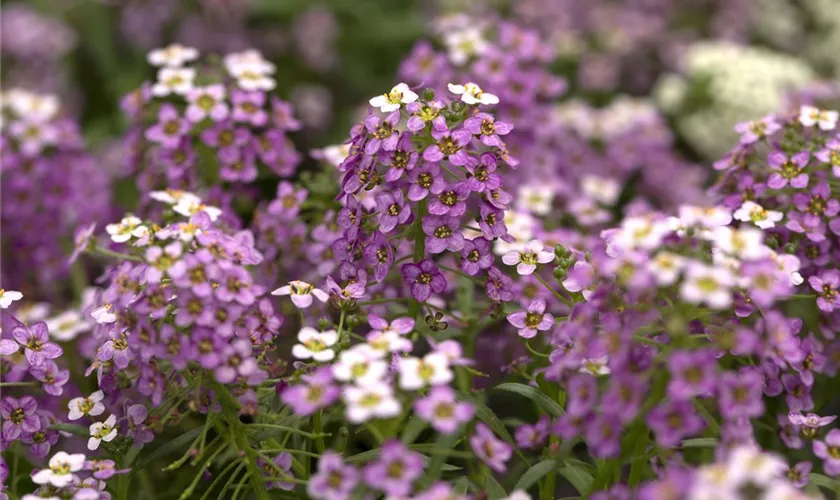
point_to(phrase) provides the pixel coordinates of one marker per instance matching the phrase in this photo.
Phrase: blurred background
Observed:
(699, 58)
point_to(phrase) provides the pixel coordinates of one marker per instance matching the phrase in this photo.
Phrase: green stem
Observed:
(419, 249)
(18, 384)
(553, 291)
(317, 424)
(308, 435)
(117, 255)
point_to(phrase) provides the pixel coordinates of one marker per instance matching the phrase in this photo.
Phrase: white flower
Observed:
(315, 345)
(252, 73)
(103, 314)
(250, 57)
(174, 56)
(707, 217)
(362, 365)
(464, 43)
(746, 243)
(640, 232)
(824, 119)
(191, 205)
(416, 373)
(535, 198)
(595, 366)
(388, 341)
(334, 155)
(62, 465)
(472, 94)
(518, 495)
(749, 464)
(31, 313)
(102, 431)
(174, 196)
(8, 296)
(32, 107)
(374, 401)
(600, 189)
(788, 264)
(527, 259)
(67, 325)
(91, 405)
(707, 284)
(758, 215)
(128, 227)
(302, 293)
(173, 81)
(391, 101)
(713, 483)
(666, 267)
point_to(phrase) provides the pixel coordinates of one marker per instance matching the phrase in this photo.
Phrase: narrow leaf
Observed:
(546, 403)
(535, 473)
(76, 430)
(495, 491)
(167, 448)
(578, 477)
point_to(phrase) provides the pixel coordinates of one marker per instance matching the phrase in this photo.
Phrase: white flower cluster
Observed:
(745, 468)
(30, 118)
(740, 82)
(623, 114)
(641, 241)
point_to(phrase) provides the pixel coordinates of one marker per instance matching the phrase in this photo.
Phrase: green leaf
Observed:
(823, 481)
(76, 430)
(578, 477)
(700, 443)
(170, 446)
(535, 473)
(546, 403)
(494, 489)
(412, 429)
(487, 416)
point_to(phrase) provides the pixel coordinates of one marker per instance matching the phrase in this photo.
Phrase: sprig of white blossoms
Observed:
(391, 101)
(9, 296)
(60, 472)
(172, 56)
(91, 405)
(754, 213)
(102, 431)
(526, 260)
(302, 293)
(810, 116)
(251, 70)
(315, 345)
(471, 93)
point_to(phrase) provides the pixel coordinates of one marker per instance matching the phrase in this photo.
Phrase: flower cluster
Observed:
(50, 183)
(199, 125)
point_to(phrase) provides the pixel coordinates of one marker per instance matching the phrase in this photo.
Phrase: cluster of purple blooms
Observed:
(50, 186)
(208, 125)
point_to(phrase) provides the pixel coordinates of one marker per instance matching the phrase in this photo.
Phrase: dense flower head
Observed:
(50, 182)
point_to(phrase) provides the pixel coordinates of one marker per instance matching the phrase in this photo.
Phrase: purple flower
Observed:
(603, 435)
(798, 474)
(450, 200)
(392, 209)
(395, 470)
(225, 137)
(499, 286)
(492, 222)
(798, 396)
(532, 321)
(532, 436)
(442, 410)
(116, 348)
(207, 101)
(248, 107)
(490, 450)
(828, 450)
(424, 179)
(43, 439)
(482, 174)
(169, 129)
(476, 256)
(740, 394)
(82, 240)
(673, 421)
(756, 130)
(809, 424)
(624, 396)
(487, 129)
(236, 362)
(401, 325)
(379, 254)
(788, 170)
(282, 116)
(316, 390)
(19, 417)
(582, 392)
(51, 377)
(35, 340)
(401, 160)
(137, 429)
(383, 135)
(238, 165)
(283, 461)
(450, 145)
(443, 233)
(288, 201)
(826, 285)
(424, 278)
(334, 480)
(692, 374)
